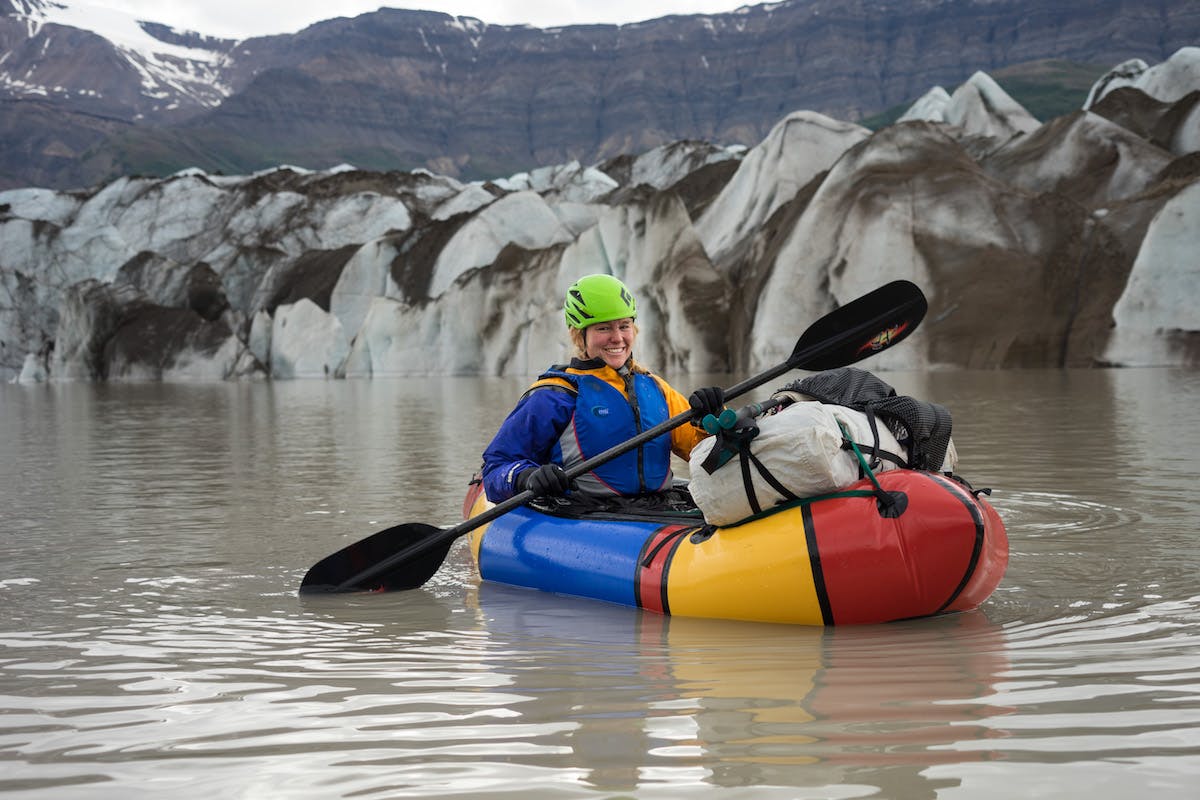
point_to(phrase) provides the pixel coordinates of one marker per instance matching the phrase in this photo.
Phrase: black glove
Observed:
(548, 479)
(709, 400)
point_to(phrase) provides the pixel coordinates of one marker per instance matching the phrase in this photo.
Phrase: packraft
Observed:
(814, 437)
(841, 559)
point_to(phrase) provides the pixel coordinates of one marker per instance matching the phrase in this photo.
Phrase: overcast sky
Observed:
(241, 18)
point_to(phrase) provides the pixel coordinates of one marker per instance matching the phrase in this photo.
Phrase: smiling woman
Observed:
(602, 398)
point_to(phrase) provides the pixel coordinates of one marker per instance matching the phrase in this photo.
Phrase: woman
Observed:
(601, 399)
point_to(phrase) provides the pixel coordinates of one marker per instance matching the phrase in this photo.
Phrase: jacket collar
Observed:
(595, 364)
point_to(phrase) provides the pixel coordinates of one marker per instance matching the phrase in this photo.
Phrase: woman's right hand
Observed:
(543, 481)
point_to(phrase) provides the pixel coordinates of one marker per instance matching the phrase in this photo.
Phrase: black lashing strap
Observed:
(736, 442)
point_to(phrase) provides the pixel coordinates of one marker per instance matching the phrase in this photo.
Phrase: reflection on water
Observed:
(151, 539)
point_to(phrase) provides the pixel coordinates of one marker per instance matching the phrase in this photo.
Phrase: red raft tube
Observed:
(844, 559)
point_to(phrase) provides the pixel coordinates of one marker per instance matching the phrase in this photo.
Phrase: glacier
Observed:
(1064, 243)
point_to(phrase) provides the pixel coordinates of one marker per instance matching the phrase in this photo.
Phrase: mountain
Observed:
(1065, 243)
(89, 94)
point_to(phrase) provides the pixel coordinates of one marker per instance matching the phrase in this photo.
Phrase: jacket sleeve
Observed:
(685, 437)
(526, 439)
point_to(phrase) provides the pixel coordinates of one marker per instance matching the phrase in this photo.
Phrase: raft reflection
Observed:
(720, 704)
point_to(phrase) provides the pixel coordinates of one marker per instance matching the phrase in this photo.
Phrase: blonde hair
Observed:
(580, 345)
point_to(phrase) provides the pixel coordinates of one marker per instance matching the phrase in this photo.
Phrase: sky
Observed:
(244, 18)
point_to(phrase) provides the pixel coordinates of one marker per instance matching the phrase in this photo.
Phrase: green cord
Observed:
(862, 461)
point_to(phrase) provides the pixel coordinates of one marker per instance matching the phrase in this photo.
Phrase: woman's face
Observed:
(610, 341)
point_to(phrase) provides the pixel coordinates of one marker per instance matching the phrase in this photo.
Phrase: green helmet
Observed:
(597, 298)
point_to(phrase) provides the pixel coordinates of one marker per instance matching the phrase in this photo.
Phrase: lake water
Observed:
(152, 642)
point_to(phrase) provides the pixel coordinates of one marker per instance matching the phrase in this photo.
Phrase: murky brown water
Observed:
(152, 643)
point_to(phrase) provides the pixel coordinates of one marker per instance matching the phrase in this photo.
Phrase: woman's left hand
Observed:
(709, 400)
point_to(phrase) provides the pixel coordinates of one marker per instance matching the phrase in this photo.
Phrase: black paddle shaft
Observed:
(857, 330)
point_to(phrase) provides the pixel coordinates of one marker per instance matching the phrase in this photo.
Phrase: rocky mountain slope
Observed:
(1069, 243)
(87, 97)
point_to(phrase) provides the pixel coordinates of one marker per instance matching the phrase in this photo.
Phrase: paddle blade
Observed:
(861, 328)
(331, 573)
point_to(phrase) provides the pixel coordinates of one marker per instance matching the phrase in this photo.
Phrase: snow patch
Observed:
(166, 69)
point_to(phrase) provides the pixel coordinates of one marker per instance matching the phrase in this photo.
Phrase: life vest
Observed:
(603, 418)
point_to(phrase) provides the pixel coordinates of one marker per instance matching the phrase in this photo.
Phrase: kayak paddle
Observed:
(407, 555)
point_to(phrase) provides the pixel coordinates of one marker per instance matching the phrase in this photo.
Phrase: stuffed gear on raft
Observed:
(922, 427)
(813, 442)
(797, 452)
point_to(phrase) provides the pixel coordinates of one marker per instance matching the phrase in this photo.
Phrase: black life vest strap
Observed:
(554, 387)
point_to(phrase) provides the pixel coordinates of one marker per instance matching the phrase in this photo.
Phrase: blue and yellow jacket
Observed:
(575, 412)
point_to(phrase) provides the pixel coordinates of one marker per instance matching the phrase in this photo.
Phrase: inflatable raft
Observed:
(846, 558)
